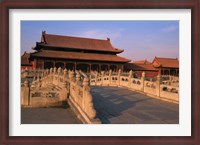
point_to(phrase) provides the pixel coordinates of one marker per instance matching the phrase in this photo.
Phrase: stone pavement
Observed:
(48, 116)
(117, 105)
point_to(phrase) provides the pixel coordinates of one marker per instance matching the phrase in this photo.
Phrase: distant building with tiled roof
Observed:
(163, 66)
(142, 62)
(166, 66)
(25, 61)
(141, 66)
(76, 53)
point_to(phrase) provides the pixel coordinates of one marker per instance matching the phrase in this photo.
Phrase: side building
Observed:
(166, 66)
(25, 61)
(160, 65)
(74, 53)
(141, 66)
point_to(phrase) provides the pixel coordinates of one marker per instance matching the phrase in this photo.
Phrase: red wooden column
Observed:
(108, 67)
(64, 65)
(54, 63)
(75, 66)
(122, 68)
(90, 67)
(43, 64)
(117, 67)
(99, 67)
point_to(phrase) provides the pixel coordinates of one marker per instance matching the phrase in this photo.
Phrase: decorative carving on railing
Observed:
(53, 86)
(151, 86)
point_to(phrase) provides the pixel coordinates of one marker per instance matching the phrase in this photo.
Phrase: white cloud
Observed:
(170, 28)
(101, 34)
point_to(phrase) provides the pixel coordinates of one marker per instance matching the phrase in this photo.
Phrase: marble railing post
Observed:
(25, 90)
(58, 74)
(38, 81)
(51, 75)
(54, 70)
(64, 74)
(142, 81)
(64, 92)
(102, 75)
(110, 74)
(71, 83)
(96, 77)
(71, 76)
(129, 78)
(158, 85)
(24, 73)
(59, 71)
(54, 75)
(78, 78)
(118, 77)
(87, 102)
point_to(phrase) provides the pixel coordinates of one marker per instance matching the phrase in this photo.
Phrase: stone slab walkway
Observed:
(116, 105)
(48, 116)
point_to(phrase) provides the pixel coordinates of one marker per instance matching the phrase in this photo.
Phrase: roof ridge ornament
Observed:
(43, 40)
(43, 32)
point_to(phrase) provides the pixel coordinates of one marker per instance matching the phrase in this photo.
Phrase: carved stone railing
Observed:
(54, 87)
(30, 73)
(153, 87)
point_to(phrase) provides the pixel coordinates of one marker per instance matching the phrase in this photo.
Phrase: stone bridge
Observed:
(160, 87)
(45, 88)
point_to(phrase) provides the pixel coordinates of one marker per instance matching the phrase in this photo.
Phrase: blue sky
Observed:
(139, 39)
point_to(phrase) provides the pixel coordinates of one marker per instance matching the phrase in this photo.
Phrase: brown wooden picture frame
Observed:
(194, 139)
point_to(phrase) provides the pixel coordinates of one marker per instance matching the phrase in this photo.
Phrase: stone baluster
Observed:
(102, 75)
(78, 78)
(110, 74)
(38, 77)
(96, 77)
(42, 74)
(25, 94)
(47, 71)
(34, 77)
(64, 92)
(38, 81)
(59, 71)
(118, 77)
(26, 83)
(54, 75)
(25, 73)
(48, 75)
(129, 78)
(71, 76)
(58, 78)
(87, 102)
(51, 70)
(54, 70)
(64, 73)
(170, 80)
(158, 81)
(142, 81)
(51, 75)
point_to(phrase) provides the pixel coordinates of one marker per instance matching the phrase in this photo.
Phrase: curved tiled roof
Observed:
(25, 59)
(139, 67)
(59, 41)
(142, 62)
(167, 62)
(79, 56)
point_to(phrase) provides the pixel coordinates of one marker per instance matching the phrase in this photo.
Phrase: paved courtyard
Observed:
(114, 105)
(122, 106)
(48, 116)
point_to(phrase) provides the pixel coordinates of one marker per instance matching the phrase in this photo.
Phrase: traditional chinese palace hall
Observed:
(74, 53)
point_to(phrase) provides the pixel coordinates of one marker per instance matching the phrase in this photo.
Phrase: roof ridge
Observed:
(77, 37)
(166, 58)
(64, 41)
